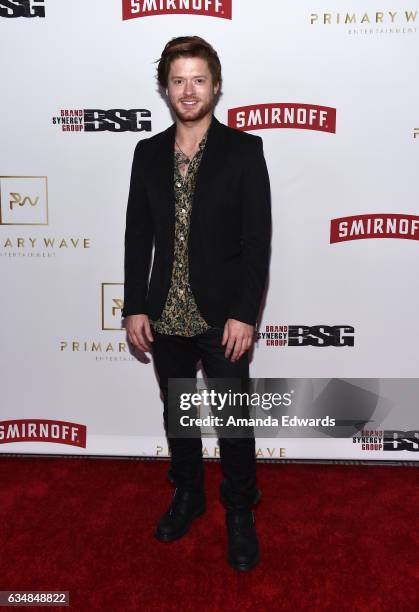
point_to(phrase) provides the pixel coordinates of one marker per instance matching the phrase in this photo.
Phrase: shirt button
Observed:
(181, 291)
(180, 265)
(178, 184)
(183, 210)
(181, 237)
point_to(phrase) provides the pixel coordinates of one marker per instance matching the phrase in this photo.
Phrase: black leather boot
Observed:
(185, 506)
(243, 545)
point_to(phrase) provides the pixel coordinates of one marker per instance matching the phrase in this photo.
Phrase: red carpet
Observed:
(333, 537)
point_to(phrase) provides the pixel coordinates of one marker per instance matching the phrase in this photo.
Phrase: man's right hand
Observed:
(139, 331)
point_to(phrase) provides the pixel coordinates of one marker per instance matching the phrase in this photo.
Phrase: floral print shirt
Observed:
(180, 314)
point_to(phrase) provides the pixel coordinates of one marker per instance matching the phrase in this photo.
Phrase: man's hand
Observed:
(239, 336)
(139, 331)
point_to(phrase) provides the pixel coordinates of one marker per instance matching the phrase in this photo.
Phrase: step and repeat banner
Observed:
(332, 89)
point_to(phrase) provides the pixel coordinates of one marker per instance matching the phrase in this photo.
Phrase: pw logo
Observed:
(17, 199)
(23, 200)
(118, 305)
(112, 304)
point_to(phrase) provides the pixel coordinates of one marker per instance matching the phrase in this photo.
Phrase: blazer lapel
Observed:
(212, 161)
(163, 171)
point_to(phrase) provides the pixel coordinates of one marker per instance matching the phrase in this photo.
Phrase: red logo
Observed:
(387, 225)
(146, 8)
(283, 115)
(43, 430)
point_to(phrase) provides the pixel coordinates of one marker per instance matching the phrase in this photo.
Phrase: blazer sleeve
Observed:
(139, 235)
(256, 234)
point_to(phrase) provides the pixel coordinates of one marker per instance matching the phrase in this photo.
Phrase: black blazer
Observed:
(230, 227)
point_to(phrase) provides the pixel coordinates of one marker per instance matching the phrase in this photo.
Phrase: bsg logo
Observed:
(320, 335)
(22, 8)
(117, 120)
(401, 440)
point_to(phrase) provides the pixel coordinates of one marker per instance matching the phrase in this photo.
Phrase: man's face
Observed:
(190, 88)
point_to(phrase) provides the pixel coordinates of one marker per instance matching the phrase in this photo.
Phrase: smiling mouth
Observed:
(189, 102)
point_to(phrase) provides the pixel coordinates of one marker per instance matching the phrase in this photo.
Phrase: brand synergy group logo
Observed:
(148, 8)
(105, 349)
(387, 440)
(368, 22)
(99, 120)
(43, 430)
(384, 225)
(24, 202)
(283, 115)
(307, 335)
(22, 8)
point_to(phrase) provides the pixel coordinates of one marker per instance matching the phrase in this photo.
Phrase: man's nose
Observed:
(189, 88)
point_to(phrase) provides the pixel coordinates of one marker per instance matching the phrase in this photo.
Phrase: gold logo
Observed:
(273, 452)
(378, 17)
(23, 200)
(112, 304)
(118, 305)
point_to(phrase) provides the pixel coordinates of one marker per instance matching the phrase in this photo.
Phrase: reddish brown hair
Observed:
(188, 46)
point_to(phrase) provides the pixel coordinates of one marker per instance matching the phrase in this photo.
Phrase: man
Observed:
(201, 191)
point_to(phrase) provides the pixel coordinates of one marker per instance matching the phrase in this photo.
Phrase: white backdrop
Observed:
(64, 356)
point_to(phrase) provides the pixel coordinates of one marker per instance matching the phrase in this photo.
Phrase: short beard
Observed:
(204, 111)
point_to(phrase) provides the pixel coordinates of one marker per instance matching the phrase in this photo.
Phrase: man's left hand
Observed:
(239, 337)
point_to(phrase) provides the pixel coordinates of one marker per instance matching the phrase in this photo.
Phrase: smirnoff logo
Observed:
(283, 115)
(146, 8)
(388, 225)
(43, 430)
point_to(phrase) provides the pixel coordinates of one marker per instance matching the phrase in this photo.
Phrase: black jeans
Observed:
(177, 357)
